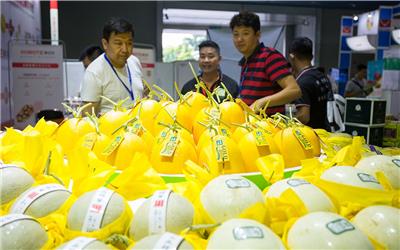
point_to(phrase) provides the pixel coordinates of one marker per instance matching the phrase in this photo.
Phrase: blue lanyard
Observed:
(129, 77)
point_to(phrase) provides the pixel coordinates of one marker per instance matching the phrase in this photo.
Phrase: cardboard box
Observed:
(373, 134)
(365, 111)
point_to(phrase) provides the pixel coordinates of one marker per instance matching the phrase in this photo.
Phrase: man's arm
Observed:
(303, 113)
(290, 92)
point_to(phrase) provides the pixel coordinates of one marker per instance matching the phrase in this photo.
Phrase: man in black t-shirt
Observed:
(315, 86)
(211, 75)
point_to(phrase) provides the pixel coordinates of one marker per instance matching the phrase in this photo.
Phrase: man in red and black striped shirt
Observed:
(265, 75)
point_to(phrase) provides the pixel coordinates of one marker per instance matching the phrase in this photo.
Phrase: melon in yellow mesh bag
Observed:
(325, 230)
(163, 241)
(244, 234)
(13, 181)
(389, 166)
(229, 196)
(159, 214)
(98, 214)
(18, 231)
(380, 224)
(354, 189)
(294, 197)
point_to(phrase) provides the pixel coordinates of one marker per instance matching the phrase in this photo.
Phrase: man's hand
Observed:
(257, 106)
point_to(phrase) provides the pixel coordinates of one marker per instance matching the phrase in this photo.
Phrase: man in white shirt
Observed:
(116, 74)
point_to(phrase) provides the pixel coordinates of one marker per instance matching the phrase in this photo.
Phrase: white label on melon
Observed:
(248, 232)
(367, 178)
(22, 204)
(158, 212)
(168, 241)
(78, 243)
(10, 218)
(339, 226)
(396, 162)
(96, 209)
(296, 182)
(237, 183)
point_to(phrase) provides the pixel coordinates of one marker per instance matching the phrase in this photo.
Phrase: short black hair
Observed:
(361, 67)
(246, 18)
(117, 25)
(209, 43)
(302, 48)
(91, 52)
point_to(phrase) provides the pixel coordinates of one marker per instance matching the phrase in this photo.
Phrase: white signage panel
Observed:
(147, 59)
(36, 81)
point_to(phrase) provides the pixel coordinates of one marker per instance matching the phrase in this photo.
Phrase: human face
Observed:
(118, 48)
(245, 39)
(209, 59)
(362, 74)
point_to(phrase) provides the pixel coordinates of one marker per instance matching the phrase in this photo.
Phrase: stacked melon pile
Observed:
(58, 183)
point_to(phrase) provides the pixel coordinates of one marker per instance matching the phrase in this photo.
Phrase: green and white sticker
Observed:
(221, 149)
(367, 178)
(261, 137)
(396, 162)
(113, 145)
(305, 143)
(237, 183)
(170, 145)
(339, 226)
(248, 232)
(296, 182)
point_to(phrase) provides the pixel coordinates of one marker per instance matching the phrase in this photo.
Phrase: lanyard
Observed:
(129, 77)
(303, 71)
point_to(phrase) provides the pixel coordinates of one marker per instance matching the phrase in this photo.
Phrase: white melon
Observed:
(179, 215)
(78, 211)
(244, 234)
(40, 205)
(380, 223)
(158, 240)
(18, 231)
(13, 181)
(390, 166)
(227, 196)
(81, 243)
(325, 230)
(351, 176)
(313, 198)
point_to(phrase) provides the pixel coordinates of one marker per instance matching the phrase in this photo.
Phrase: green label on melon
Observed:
(305, 143)
(113, 145)
(237, 183)
(221, 148)
(261, 139)
(396, 162)
(296, 182)
(367, 178)
(248, 232)
(169, 146)
(339, 226)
